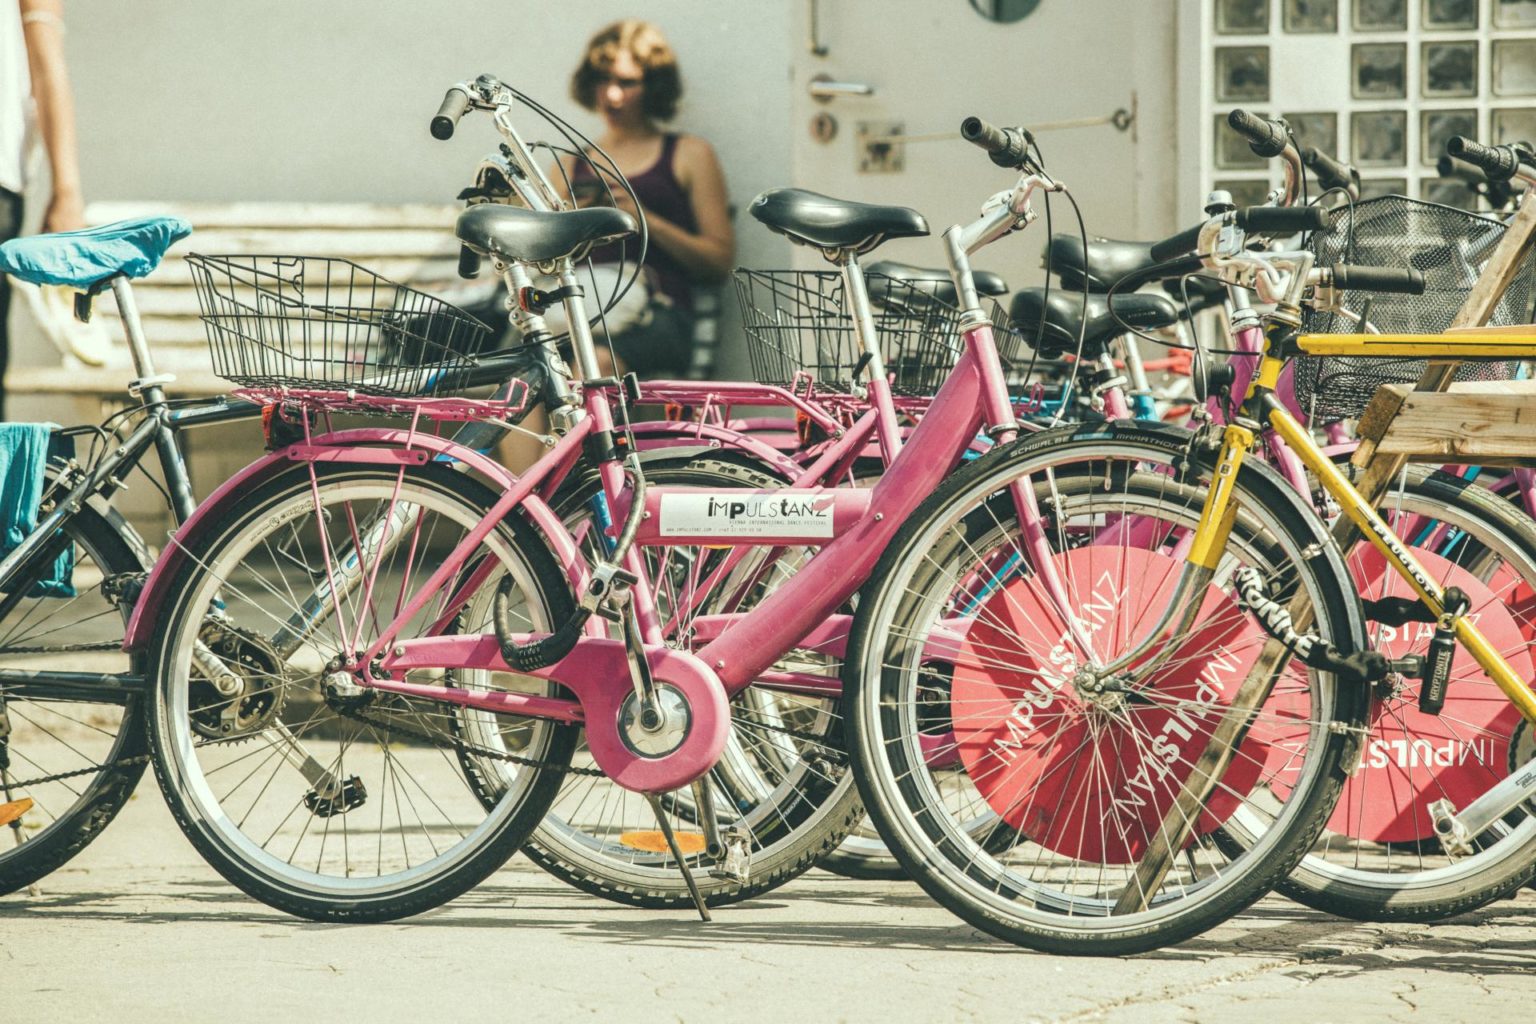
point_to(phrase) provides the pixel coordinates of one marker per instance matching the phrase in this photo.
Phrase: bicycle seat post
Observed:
(859, 310)
(147, 380)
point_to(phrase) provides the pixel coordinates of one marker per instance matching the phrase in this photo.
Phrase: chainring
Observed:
(261, 671)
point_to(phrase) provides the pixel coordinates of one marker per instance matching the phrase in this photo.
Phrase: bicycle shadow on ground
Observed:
(797, 916)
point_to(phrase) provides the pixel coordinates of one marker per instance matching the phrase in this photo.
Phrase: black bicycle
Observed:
(72, 742)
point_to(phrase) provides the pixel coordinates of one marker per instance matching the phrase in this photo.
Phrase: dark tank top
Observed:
(662, 196)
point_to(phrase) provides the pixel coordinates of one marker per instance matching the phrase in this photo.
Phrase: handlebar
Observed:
(455, 103)
(1330, 173)
(1265, 137)
(1500, 163)
(1008, 147)
(1401, 280)
(1177, 245)
(1283, 220)
(1458, 169)
(1265, 220)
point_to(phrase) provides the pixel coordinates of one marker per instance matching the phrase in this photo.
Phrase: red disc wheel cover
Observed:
(1411, 759)
(1081, 781)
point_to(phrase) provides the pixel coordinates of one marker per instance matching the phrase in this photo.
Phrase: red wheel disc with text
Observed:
(1412, 759)
(1081, 778)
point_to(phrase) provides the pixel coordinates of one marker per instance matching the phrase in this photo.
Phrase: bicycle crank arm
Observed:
(704, 800)
(1457, 830)
(326, 785)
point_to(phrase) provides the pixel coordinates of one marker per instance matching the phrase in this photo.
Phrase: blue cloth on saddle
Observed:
(78, 259)
(24, 451)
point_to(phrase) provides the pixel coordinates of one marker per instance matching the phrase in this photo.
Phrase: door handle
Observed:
(824, 90)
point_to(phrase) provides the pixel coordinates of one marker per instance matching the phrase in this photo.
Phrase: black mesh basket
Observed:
(1450, 247)
(797, 321)
(312, 322)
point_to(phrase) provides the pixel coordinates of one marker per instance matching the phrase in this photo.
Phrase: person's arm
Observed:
(708, 254)
(43, 27)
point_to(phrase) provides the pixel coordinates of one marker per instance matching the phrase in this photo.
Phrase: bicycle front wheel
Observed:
(331, 801)
(1029, 793)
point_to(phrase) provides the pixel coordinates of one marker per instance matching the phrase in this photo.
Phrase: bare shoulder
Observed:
(695, 156)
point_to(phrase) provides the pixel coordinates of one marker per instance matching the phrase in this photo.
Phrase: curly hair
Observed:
(644, 41)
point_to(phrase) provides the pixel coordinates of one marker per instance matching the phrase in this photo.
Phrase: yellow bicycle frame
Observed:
(1217, 514)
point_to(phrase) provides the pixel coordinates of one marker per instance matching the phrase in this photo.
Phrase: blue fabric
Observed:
(23, 458)
(79, 259)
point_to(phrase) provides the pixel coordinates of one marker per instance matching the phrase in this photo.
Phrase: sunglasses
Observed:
(622, 82)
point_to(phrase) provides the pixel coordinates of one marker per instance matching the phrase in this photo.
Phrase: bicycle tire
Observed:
(67, 815)
(398, 752)
(1019, 882)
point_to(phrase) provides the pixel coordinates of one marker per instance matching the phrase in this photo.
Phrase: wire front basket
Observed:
(1450, 247)
(798, 322)
(312, 322)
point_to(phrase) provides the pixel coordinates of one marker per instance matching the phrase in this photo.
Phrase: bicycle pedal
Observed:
(351, 796)
(736, 865)
(11, 812)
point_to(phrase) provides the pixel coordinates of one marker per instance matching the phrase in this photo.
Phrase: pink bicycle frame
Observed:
(863, 524)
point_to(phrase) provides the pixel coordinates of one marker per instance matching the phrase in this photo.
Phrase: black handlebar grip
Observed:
(1008, 147)
(1330, 173)
(455, 102)
(1499, 162)
(1283, 220)
(1177, 245)
(1266, 138)
(1402, 280)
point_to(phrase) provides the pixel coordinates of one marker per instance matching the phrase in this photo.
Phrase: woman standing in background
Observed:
(629, 76)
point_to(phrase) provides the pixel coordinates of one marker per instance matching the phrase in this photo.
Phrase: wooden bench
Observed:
(412, 244)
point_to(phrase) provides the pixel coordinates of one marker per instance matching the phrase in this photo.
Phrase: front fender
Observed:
(146, 611)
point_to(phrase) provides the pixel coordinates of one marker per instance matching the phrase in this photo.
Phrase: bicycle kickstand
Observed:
(677, 855)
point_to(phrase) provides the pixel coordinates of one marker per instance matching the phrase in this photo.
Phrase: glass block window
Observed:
(1381, 83)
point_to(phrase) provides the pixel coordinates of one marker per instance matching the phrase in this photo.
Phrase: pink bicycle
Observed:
(416, 646)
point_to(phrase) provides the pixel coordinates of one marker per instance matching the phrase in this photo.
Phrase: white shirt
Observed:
(17, 112)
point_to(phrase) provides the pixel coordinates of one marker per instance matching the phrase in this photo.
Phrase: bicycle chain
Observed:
(463, 747)
(840, 758)
(113, 766)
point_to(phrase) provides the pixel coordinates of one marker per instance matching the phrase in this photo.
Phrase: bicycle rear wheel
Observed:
(321, 799)
(1378, 859)
(69, 757)
(1026, 800)
(782, 785)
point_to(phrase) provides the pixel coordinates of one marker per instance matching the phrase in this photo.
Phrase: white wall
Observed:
(329, 101)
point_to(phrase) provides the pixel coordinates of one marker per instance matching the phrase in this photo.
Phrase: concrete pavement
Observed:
(138, 929)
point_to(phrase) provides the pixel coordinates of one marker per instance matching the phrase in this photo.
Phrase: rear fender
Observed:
(659, 435)
(147, 609)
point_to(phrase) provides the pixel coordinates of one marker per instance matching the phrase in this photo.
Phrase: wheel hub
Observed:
(659, 730)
